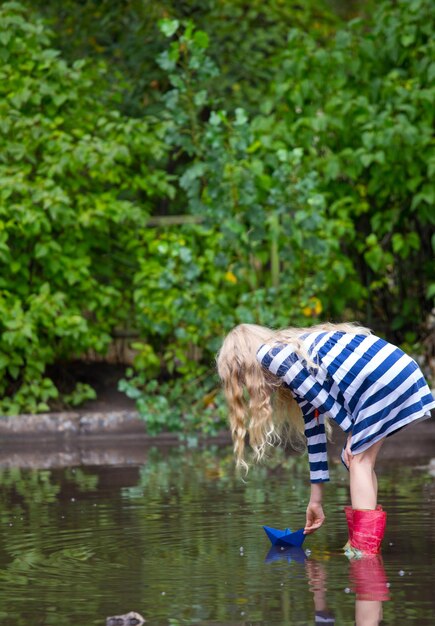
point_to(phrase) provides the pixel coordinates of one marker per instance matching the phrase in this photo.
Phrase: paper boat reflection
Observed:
(290, 553)
(285, 537)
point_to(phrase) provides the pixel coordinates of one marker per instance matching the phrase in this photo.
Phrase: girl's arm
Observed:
(315, 515)
(315, 434)
(316, 496)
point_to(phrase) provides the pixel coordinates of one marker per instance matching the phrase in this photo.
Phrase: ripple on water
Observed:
(180, 549)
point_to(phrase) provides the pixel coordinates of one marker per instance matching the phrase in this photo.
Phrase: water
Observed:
(180, 541)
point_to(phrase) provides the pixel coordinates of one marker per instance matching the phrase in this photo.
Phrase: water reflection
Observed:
(371, 589)
(277, 553)
(179, 540)
(367, 580)
(316, 574)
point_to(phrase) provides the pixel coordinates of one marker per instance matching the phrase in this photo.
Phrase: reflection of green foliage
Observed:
(41, 545)
(178, 529)
(83, 480)
(35, 490)
(33, 487)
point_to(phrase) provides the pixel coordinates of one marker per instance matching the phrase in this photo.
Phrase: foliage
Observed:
(77, 180)
(243, 37)
(369, 133)
(186, 407)
(332, 177)
(309, 216)
(302, 176)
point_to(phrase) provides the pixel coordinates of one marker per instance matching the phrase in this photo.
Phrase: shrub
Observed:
(77, 179)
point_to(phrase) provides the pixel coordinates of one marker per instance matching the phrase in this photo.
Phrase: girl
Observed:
(295, 378)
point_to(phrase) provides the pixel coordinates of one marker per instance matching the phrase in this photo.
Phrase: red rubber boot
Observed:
(368, 530)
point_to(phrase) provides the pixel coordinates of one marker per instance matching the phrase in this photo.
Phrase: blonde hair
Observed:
(270, 414)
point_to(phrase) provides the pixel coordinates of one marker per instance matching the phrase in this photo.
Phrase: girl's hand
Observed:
(315, 517)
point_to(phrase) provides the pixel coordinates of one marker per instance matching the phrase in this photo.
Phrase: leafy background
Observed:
(170, 169)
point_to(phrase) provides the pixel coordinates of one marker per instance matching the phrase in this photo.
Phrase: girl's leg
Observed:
(375, 483)
(368, 521)
(368, 613)
(363, 481)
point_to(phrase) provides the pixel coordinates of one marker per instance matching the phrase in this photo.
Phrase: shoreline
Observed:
(119, 437)
(72, 425)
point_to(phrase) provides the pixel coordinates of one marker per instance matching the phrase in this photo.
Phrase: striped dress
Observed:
(368, 386)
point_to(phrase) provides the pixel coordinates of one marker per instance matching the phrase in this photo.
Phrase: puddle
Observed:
(180, 541)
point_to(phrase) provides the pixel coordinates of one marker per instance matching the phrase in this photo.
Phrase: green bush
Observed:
(319, 204)
(325, 193)
(244, 36)
(77, 180)
(362, 107)
(303, 191)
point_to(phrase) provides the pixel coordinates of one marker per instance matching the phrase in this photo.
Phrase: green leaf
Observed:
(201, 39)
(241, 117)
(397, 241)
(168, 27)
(407, 39)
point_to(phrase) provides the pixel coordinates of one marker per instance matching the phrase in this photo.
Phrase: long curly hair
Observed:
(259, 403)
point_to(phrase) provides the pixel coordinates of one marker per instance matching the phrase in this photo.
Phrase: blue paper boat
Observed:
(285, 537)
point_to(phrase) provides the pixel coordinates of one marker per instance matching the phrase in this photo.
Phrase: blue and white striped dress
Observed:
(368, 386)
